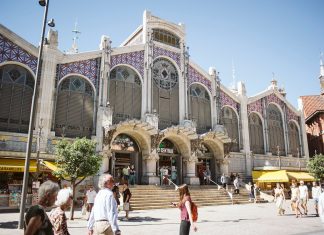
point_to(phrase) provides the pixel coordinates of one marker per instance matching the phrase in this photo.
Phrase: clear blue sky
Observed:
(261, 37)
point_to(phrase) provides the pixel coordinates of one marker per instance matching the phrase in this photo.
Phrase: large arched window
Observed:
(166, 92)
(230, 122)
(256, 134)
(16, 92)
(74, 108)
(125, 94)
(200, 108)
(276, 132)
(293, 134)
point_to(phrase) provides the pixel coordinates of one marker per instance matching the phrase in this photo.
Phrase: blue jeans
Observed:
(132, 179)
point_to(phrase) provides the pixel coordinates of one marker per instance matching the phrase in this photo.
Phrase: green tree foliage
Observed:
(76, 161)
(316, 166)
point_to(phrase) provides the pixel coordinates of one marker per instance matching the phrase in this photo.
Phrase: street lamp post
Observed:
(32, 114)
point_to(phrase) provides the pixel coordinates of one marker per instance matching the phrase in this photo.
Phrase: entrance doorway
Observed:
(205, 159)
(125, 154)
(170, 163)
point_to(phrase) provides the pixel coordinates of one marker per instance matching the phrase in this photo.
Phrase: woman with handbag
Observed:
(126, 198)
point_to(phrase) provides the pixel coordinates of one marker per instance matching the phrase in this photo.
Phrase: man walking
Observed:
(90, 196)
(223, 181)
(303, 190)
(104, 215)
(316, 192)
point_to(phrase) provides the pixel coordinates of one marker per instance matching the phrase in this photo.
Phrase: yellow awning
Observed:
(16, 165)
(270, 176)
(50, 165)
(305, 176)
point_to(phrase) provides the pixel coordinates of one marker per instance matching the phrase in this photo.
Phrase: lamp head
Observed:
(51, 23)
(42, 2)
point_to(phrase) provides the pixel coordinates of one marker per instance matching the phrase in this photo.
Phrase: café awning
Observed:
(300, 175)
(50, 165)
(16, 165)
(270, 176)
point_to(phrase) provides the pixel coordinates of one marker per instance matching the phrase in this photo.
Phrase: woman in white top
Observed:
(295, 194)
(280, 198)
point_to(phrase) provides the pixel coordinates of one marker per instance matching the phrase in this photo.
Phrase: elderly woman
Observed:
(57, 215)
(36, 219)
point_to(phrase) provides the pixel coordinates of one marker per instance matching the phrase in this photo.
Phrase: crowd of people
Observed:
(103, 206)
(299, 198)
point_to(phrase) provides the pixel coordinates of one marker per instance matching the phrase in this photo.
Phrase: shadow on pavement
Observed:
(9, 225)
(140, 219)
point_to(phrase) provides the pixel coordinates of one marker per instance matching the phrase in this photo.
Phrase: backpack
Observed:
(194, 212)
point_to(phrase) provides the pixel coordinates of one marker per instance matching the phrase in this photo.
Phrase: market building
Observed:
(146, 104)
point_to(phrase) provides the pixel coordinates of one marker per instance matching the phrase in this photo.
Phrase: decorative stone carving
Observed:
(152, 156)
(155, 140)
(195, 145)
(107, 138)
(152, 119)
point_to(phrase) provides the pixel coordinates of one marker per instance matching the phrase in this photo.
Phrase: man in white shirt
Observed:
(91, 195)
(316, 192)
(104, 215)
(303, 195)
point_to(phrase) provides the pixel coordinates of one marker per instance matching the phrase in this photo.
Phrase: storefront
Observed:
(267, 180)
(11, 181)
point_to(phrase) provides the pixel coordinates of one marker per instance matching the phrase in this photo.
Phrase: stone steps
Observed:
(145, 197)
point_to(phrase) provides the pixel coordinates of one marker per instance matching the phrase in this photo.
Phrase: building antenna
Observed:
(74, 49)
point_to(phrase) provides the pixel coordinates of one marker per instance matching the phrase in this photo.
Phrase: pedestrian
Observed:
(132, 175)
(251, 192)
(295, 199)
(256, 191)
(174, 174)
(126, 173)
(236, 185)
(165, 176)
(115, 191)
(185, 210)
(303, 190)
(316, 192)
(126, 199)
(104, 215)
(36, 219)
(321, 204)
(57, 216)
(223, 181)
(90, 197)
(279, 199)
(232, 177)
(208, 174)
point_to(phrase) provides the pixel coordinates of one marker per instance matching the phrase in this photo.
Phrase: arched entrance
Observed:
(125, 153)
(170, 162)
(205, 160)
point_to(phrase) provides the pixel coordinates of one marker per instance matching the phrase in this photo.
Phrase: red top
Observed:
(184, 213)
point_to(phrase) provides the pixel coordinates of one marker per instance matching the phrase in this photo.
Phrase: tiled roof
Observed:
(312, 104)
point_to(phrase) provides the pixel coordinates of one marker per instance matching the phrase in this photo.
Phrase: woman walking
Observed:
(57, 216)
(295, 199)
(126, 198)
(280, 198)
(36, 219)
(185, 207)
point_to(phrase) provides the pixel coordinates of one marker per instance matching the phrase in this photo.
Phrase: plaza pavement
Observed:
(242, 219)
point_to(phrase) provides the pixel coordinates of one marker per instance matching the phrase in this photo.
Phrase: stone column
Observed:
(104, 112)
(106, 155)
(149, 176)
(245, 129)
(47, 89)
(190, 164)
